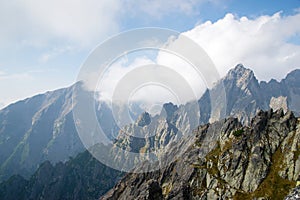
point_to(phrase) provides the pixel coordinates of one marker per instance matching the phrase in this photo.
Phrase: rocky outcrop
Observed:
(226, 160)
(279, 103)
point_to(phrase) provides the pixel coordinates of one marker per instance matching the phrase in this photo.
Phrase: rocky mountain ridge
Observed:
(42, 127)
(245, 96)
(224, 160)
(261, 160)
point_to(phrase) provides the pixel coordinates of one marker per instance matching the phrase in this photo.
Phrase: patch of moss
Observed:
(213, 157)
(238, 132)
(227, 146)
(239, 195)
(198, 166)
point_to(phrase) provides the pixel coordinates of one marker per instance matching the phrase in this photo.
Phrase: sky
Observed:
(44, 43)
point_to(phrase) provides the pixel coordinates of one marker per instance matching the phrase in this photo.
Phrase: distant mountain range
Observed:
(42, 128)
(243, 96)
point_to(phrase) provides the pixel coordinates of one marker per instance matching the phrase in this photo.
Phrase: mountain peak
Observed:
(240, 71)
(240, 67)
(241, 75)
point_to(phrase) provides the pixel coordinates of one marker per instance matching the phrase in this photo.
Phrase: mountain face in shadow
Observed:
(41, 129)
(37, 129)
(82, 177)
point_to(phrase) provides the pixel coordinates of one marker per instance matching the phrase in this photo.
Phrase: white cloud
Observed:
(37, 22)
(260, 43)
(194, 78)
(151, 80)
(37, 32)
(116, 72)
(81, 22)
(55, 27)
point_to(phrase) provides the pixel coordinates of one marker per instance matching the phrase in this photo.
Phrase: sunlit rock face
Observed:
(279, 103)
